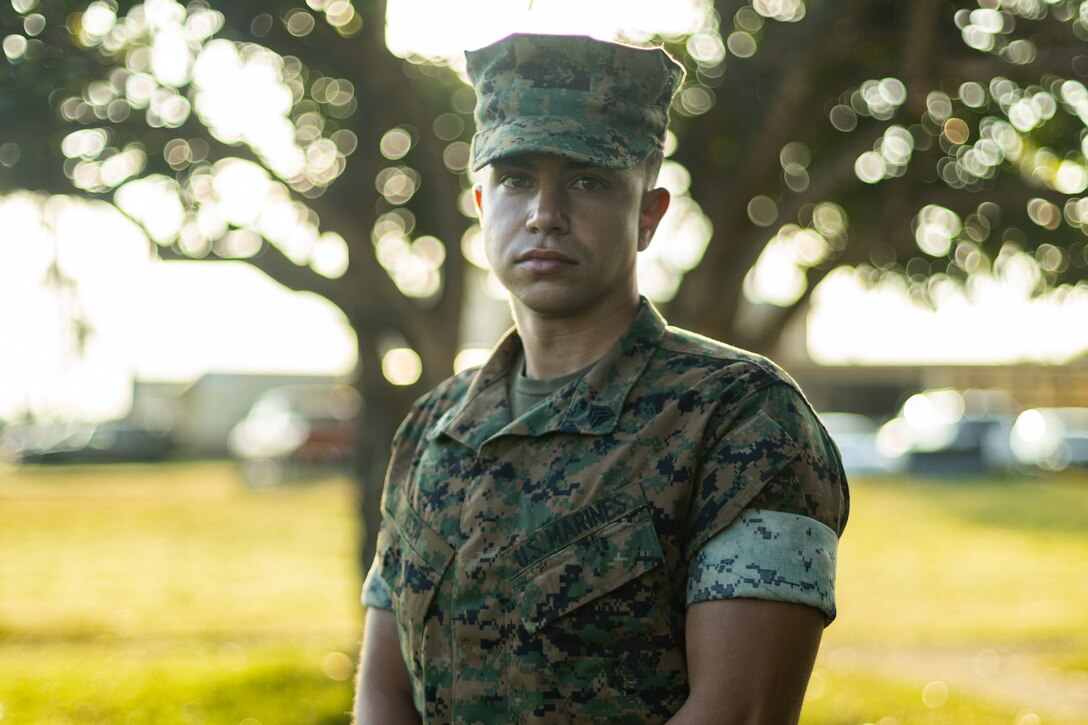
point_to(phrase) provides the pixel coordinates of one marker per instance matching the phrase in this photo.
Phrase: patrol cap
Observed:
(601, 103)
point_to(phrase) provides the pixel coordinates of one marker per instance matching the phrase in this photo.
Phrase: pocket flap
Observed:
(413, 559)
(594, 565)
(424, 541)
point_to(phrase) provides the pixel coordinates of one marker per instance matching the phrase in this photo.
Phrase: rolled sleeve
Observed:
(376, 592)
(771, 555)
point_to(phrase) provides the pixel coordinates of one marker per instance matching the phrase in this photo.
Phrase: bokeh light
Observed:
(396, 143)
(779, 276)
(785, 11)
(680, 241)
(164, 45)
(470, 357)
(934, 229)
(402, 366)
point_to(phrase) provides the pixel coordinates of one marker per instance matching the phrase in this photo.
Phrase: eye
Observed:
(515, 181)
(588, 183)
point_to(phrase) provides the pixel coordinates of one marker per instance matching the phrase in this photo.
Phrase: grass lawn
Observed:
(959, 602)
(171, 594)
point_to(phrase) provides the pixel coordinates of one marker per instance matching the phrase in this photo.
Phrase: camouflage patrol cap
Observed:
(602, 103)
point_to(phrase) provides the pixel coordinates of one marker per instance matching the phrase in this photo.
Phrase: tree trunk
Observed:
(384, 406)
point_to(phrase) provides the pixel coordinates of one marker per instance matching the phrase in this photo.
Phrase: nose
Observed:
(547, 212)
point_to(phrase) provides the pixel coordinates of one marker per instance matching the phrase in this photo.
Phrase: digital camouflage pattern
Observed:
(602, 103)
(768, 555)
(539, 567)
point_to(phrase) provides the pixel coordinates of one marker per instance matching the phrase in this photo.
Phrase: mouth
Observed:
(545, 261)
(545, 255)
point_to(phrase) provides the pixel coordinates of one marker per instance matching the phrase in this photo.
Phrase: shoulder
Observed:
(679, 341)
(452, 390)
(758, 420)
(719, 370)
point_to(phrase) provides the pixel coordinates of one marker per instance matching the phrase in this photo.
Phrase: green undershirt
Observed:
(527, 392)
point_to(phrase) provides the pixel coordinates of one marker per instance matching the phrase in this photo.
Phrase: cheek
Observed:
(498, 213)
(500, 224)
(492, 253)
(494, 247)
(623, 229)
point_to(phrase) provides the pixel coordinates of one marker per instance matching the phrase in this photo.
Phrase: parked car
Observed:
(950, 432)
(71, 441)
(1051, 439)
(855, 436)
(296, 431)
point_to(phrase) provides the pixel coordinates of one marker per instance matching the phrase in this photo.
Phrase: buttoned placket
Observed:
(483, 420)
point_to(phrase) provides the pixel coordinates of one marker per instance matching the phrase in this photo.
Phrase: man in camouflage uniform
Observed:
(612, 520)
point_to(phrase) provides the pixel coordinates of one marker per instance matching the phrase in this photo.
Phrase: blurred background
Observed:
(236, 241)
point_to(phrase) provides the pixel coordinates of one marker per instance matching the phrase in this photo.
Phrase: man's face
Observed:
(562, 236)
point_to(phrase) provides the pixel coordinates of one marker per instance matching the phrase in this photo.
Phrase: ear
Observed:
(478, 199)
(655, 203)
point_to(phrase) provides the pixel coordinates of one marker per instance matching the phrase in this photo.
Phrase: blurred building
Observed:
(878, 390)
(204, 411)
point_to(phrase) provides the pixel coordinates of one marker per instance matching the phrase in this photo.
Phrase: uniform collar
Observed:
(590, 405)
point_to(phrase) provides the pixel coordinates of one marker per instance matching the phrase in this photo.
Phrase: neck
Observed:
(556, 346)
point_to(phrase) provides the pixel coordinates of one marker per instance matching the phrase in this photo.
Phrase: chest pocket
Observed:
(414, 558)
(583, 556)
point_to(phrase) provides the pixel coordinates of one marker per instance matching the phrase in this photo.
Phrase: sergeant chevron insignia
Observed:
(599, 414)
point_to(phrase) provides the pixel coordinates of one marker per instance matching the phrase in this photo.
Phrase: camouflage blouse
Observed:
(540, 569)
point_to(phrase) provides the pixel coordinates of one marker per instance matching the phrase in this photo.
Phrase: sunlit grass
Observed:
(170, 681)
(134, 594)
(145, 594)
(135, 551)
(985, 561)
(980, 586)
(864, 698)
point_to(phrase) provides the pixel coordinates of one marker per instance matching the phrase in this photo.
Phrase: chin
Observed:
(569, 305)
(551, 304)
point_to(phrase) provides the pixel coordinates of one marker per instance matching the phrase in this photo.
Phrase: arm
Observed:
(761, 587)
(749, 661)
(384, 693)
